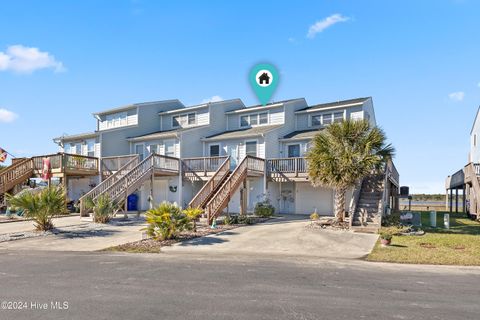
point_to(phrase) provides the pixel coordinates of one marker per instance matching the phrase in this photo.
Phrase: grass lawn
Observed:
(460, 245)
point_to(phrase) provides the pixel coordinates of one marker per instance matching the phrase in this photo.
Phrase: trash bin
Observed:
(132, 202)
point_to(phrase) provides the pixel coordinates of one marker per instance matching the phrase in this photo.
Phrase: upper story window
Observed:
(251, 148)
(119, 119)
(183, 120)
(254, 119)
(326, 118)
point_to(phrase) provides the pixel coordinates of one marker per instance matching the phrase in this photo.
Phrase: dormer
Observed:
(321, 115)
(187, 117)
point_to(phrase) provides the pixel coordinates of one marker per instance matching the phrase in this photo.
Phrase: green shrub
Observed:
(244, 219)
(230, 220)
(43, 206)
(193, 214)
(264, 209)
(166, 221)
(103, 209)
(391, 220)
(314, 216)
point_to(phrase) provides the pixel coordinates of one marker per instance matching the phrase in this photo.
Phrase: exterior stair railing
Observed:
(202, 196)
(107, 183)
(221, 198)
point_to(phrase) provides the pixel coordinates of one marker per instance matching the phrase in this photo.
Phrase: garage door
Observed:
(308, 198)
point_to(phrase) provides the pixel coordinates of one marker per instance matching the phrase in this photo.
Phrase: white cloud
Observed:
(7, 115)
(321, 25)
(457, 96)
(212, 99)
(23, 59)
(478, 84)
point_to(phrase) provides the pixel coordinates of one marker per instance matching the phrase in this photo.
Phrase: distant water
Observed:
(424, 203)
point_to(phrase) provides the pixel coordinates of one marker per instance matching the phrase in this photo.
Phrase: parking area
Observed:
(285, 235)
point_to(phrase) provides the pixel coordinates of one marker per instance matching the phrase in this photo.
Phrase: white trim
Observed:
(183, 110)
(243, 110)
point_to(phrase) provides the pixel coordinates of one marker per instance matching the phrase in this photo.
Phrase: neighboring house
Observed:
(465, 181)
(196, 143)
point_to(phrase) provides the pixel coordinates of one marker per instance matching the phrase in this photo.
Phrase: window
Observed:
(263, 118)
(183, 120)
(115, 120)
(170, 148)
(214, 150)
(327, 118)
(244, 121)
(316, 120)
(251, 148)
(78, 148)
(294, 150)
(338, 117)
(91, 148)
(191, 118)
(254, 119)
(175, 121)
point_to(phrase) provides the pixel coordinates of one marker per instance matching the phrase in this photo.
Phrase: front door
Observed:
(233, 153)
(140, 150)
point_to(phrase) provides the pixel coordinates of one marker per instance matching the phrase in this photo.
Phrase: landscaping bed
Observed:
(459, 245)
(154, 246)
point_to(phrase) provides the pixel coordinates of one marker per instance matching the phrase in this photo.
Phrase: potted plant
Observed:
(386, 237)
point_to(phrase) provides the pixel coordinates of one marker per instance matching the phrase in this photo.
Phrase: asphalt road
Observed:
(132, 286)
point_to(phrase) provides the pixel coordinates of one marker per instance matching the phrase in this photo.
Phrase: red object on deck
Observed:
(46, 169)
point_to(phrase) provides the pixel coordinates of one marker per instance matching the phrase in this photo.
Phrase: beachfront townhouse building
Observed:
(221, 156)
(463, 187)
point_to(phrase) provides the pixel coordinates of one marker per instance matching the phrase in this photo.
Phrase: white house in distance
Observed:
(466, 180)
(220, 156)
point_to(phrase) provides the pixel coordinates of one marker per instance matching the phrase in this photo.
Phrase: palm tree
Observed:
(344, 153)
(42, 207)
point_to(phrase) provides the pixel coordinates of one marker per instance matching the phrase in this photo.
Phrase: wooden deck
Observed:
(287, 169)
(65, 164)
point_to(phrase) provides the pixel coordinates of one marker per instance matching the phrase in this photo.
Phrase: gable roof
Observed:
(85, 135)
(341, 103)
(301, 134)
(134, 105)
(263, 107)
(197, 106)
(242, 133)
(475, 120)
(163, 134)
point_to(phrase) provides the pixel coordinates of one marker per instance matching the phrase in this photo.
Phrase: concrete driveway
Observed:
(74, 234)
(286, 235)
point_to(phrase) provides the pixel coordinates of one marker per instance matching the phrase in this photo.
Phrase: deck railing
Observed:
(287, 165)
(109, 165)
(66, 161)
(202, 164)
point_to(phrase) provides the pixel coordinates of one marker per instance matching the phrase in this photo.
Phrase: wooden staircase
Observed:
(14, 175)
(368, 211)
(222, 196)
(211, 186)
(119, 186)
(112, 179)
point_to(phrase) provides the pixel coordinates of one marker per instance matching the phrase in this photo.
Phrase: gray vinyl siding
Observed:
(272, 144)
(114, 141)
(202, 118)
(275, 116)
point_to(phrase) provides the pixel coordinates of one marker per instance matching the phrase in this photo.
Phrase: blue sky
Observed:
(419, 60)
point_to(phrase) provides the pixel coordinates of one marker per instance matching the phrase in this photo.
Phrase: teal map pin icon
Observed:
(264, 80)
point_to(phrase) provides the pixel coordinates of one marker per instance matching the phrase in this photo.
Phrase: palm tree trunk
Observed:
(340, 203)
